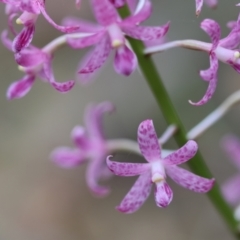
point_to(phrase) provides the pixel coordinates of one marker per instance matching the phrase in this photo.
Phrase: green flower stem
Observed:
(197, 164)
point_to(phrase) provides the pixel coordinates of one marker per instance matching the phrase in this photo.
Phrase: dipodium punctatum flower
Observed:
(34, 62)
(219, 49)
(110, 34)
(199, 4)
(29, 11)
(156, 171)
(90, 146)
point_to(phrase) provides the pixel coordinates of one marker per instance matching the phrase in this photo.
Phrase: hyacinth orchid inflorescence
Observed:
(110, 34)
(28, 12)
(156, 171)
(220, 49)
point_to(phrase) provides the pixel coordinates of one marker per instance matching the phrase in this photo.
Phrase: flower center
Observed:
(116, 36)
(158, 172)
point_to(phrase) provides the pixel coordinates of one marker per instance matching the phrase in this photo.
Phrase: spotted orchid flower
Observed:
(199, 4)
(34, 62)
(219, 49)
(29, 11)
(230, 188)
(156, 171)
(90, 146)
(110, 34)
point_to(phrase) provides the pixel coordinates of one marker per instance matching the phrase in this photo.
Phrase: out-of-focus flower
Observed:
(111, 35)
(230, 188)
(220, 49)
(210, 3)
(156, 171)
(90, 146)
(29, 11)
(34, 62)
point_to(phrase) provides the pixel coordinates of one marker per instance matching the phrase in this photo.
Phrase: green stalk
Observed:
(197, 164)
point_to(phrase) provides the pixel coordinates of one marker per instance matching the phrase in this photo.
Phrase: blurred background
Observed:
(38, 200)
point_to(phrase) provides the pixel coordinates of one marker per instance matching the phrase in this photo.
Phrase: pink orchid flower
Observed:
(110, 34)
(91, 146)
(156, 171)
(199, 4)
(34, 62)
(230, 188)
(29, 11)
(219, 49)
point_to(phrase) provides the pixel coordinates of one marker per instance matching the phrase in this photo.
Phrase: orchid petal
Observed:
(148, 141)
(189, 180)
(140, 16)
(6, 41)
(21, 87)
(80, 138)
(66, 157)
(99, 56)
(93, 118)
(85, 41)
(211, 3)
(104, 12)
(233, 38)
(211, 76)
(23, 39)
(30, 57)
(93, 175)
(232, 24)
(125, 61)
(231, 145)
(231, 190)
(163, 194)
(137, 195)
(117, 3)
(183, 154)
(146, 33)
(199, 4)
(127, 169)
(62, 87)
(213, 30)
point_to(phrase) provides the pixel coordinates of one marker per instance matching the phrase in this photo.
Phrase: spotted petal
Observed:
(21, 87)
(183, 154)
(231, 190)
(125, 61)
(163, 194)
(148, 141)
(137, 195)
(209, 75)
(127, 169)
(189, 180)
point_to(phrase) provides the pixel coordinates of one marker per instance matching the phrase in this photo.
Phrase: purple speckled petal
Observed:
(148, 141)
(199, 4)
(209, 75)
(127, 169)
(183, 154)
(30, 57)
(94, 174)
(140, 16)
(21, 87)
(146, 33)
(66, 157)
(93, 118)
(105, 13)
(83, 42)
(80, 137)
(132, 4)
(62, 87)
(189, 180)
(231, 145)
(231, 190)
(24, 38)
(163, 194)
(99, 56)
(137, 195)
(233, 39)
(118, 3)
(213, 30)
(125, 61)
